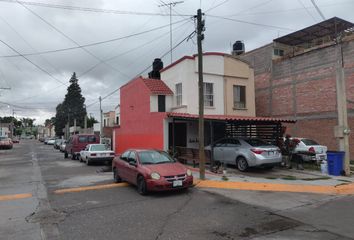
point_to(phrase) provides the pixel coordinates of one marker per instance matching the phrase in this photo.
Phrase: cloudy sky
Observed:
(108, 42)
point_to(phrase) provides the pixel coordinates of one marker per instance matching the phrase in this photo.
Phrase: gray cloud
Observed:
(36, 94)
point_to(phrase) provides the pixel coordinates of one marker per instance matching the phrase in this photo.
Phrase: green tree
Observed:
(73, 107)
(91, 121)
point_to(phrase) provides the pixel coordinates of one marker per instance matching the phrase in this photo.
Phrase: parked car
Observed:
(57, 143)
(151, 170)
(62, 146)
(16, 140)
(41, 139)
(5, 143)
(96, 153)
(51, 141)
(46, 140)
(246, 152)
(78, 142)
(310, 150)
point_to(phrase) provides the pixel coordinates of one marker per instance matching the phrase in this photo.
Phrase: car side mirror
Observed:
(132, 163)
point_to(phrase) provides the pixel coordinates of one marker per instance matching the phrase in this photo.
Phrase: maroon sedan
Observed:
(151, 170)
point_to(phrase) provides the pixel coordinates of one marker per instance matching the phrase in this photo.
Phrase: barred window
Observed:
(208, 95)
(179, 94)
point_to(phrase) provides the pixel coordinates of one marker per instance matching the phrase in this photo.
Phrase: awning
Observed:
(228, 118)
(330, 27)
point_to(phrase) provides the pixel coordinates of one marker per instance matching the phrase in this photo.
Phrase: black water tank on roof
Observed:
(238, 48)
(157, 65)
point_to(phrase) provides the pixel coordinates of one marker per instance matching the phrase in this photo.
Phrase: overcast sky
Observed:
(38, 82)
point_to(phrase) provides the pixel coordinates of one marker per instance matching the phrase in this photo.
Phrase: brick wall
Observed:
(304, 88)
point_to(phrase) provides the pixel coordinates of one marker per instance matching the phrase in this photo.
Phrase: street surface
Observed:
(31, 207)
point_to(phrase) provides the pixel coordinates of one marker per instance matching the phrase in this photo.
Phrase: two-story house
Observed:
(163, 113)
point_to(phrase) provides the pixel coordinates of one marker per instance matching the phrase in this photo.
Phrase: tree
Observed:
(91, 121)
(73, 107)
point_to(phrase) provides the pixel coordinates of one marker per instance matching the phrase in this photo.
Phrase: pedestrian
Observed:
(288, 151)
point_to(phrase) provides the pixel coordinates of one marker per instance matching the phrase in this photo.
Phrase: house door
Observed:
(180, 136)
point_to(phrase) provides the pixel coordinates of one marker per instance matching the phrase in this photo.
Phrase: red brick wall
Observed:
(304, 88)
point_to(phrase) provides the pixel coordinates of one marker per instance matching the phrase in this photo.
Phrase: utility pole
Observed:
(342, 131)
(171, 4)
(85, 124)
(200, 37)
(101, 126)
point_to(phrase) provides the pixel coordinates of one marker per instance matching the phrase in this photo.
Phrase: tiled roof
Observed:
(157, 87)
(228, 117)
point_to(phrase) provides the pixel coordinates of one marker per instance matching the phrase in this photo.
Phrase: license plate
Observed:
(270, 153)
(177, 183)
(103, 154)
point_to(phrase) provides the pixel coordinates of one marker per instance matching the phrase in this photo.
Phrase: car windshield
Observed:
(255, 142)
(154, 157)
(98, 147)
(309, 142)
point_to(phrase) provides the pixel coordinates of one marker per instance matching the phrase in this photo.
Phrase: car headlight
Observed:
(155, 176)
(189, 172)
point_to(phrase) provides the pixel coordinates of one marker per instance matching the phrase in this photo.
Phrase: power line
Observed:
(318, 9)
(37, 66)
(111, 93)
(251, 23)
(128, 51)
(308, 12)
(72, 40)
(93, 44)
(86, 9)
(212, 8)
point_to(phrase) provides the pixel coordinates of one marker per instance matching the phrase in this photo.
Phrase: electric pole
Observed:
(342, 131)
(171, 4)
(101, 126)
(200, 37)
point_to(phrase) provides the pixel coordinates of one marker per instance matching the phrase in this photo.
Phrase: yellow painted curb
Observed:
(81, 189)
(346, 189)
(15, 196)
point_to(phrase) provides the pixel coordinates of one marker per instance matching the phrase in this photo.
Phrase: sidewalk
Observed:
(278, 180)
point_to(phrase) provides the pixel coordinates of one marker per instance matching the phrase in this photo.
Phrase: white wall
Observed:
(186, 73)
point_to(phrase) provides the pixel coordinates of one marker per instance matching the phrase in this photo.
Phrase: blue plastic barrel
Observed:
(335, 162)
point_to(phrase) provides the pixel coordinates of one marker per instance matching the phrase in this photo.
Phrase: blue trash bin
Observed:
(335, 162)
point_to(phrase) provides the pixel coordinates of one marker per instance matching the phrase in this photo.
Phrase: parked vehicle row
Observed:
(6, 143)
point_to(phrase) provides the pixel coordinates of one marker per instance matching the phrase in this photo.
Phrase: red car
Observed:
(78, 142)
(5, 143)
(151, 170)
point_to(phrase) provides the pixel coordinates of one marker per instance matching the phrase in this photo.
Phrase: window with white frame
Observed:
(179, 94)
(208, 95)
(239, 97)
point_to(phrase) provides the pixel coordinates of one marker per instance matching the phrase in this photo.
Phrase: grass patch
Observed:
(343, 180)
(271, 177)
(224, 178)
(317, 178)
(289, 178)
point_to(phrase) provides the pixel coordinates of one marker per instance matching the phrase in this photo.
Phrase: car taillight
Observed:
(312, 149)
(257, 151)
(112, 154)
(93, 154)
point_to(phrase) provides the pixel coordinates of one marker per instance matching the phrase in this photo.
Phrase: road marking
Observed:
(347, 189)
(97, 187)
(15, 196)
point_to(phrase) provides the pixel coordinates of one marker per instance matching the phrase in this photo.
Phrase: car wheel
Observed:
(66, 155)
(242, 164)
(88, 162)
(80, 158)
(141, 186)
(116, 177)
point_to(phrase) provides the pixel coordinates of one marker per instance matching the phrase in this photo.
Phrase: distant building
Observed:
(109, 119)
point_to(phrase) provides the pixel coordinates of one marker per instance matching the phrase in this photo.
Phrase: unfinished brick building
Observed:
(295, 77)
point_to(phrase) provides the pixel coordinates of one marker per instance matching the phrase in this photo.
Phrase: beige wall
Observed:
(238, 73)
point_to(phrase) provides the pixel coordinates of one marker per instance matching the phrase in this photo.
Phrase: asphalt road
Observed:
(120, 212)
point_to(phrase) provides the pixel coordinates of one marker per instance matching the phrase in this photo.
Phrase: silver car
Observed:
(246, 152)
